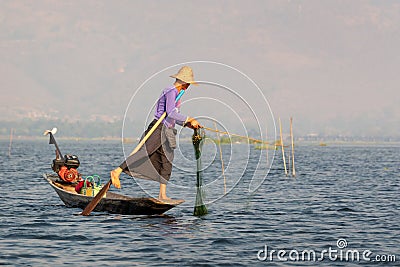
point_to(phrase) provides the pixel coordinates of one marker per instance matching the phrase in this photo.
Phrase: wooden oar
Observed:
(92, 205)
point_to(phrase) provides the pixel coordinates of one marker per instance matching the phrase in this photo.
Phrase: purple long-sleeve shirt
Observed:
(166, 103)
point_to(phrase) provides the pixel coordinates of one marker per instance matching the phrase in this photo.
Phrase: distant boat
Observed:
(264, 147)
(278, 143)
(322, 144)
(127, 140)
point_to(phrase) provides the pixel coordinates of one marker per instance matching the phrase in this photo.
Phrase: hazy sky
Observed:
(332, 65)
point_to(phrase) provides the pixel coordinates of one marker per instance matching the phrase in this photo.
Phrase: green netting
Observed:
(199, 208)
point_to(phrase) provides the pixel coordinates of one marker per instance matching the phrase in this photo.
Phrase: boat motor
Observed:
(65, 166)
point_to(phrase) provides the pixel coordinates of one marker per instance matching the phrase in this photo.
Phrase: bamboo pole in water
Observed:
(291, 136)
(266, 138)
(220, 155)
(11, 139)
(283, 150)
(289, 163)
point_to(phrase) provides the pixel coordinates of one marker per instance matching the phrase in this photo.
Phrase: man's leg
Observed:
(147, 149)
(165, 169)
(163, 192)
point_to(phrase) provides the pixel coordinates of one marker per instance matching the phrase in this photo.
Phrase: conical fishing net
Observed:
(197, 139)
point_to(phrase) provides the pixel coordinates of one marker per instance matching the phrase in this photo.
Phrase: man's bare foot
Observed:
(164, 198)
(115, 177)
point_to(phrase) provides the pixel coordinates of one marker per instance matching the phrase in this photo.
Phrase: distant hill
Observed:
(88, 129)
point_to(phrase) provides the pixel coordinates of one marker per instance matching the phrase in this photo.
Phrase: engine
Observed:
(66, 168)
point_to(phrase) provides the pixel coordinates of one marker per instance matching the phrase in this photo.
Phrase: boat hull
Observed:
(112, 203)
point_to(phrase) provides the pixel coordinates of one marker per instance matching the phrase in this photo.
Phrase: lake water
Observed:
(345, 193)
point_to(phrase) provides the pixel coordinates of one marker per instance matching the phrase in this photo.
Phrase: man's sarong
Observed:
(154, 159)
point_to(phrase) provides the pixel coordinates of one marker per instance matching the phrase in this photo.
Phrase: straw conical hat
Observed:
(185, 74)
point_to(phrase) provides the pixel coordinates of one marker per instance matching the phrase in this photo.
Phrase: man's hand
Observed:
(193, 124)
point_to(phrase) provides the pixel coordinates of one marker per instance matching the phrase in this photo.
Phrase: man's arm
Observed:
(172, 110)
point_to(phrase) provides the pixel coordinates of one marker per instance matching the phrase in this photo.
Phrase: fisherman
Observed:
(154, 160)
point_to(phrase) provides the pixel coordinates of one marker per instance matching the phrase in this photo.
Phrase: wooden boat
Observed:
(112, 203)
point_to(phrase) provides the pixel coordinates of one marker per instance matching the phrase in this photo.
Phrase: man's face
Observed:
(185, 86)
